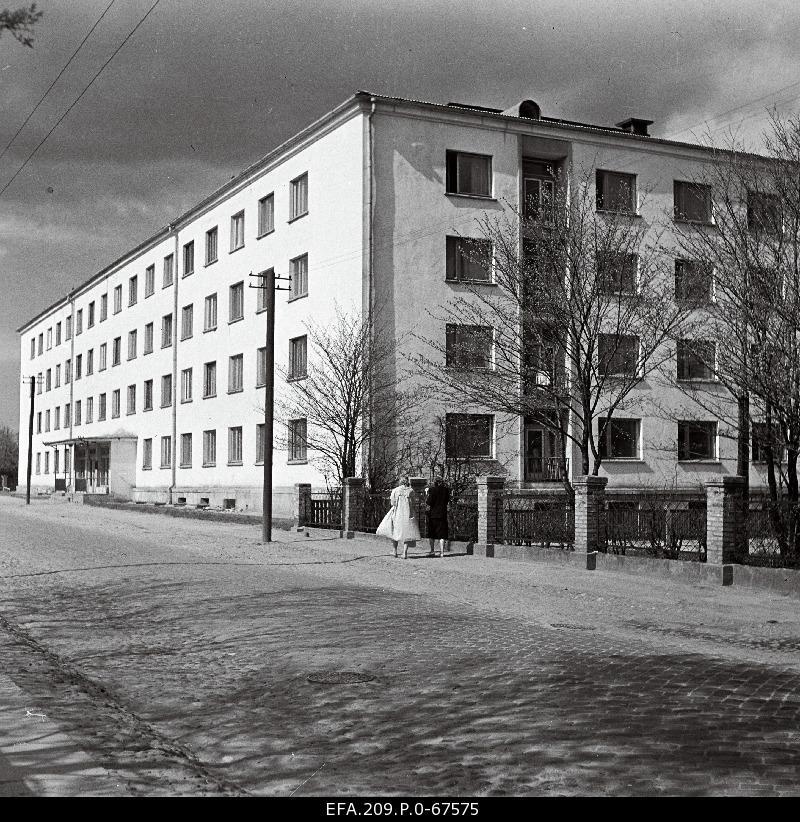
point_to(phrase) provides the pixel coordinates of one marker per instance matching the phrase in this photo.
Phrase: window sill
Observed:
(147, 468)
(298, 378)
(702, 223)
(167, 285)
(210, 262)
(169, 405)
(209, 330)
(129, 359)
(148, 295)
(261, 310)
(165, 467)
(297, 217)
(209, 396)
(115, 416)
(145, 353)
(235, 463)
(615, 213)
(709, 461)
(166, 346)
(129, 413)
(238, 248)
(187, 274)
(627, 460)
(297, 462)
(261, 385)
(265, 234)
(485, 197)
(698, 380)
(451, 281)
(237, 320)
(295, 297)
(130, 305)
(209, 465)
(185, 465)
(184, 402)
(235, 390)
(147, 409)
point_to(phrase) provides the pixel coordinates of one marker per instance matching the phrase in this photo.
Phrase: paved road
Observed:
(175, 655)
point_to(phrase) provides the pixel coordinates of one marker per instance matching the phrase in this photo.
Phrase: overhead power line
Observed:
(78, 98)
(60, 73)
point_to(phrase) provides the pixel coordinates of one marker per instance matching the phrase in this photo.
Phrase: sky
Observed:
(204, 88)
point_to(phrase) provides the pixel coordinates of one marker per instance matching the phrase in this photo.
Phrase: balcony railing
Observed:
(544, 469)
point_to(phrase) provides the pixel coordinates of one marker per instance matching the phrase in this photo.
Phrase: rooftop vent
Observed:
(633, 125)
(526, 108)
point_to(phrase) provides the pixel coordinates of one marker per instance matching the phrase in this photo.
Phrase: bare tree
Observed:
(578, 313)
(20, 22)
(9, 454)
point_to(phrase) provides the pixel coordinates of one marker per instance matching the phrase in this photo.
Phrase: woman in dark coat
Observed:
(436, 500)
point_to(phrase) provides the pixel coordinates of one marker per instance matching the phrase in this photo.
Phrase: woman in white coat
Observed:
(402, 517)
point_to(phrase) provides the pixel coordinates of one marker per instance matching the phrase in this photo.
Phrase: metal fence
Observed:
(773, 534)
(546, 521)
(375, 509)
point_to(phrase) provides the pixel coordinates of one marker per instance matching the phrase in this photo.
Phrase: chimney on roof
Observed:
(633, 125)
(526, 108)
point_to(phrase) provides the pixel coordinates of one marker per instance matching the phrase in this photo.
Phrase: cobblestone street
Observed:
(175, 655)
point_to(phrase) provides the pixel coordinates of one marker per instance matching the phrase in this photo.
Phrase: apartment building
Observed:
(151, 373)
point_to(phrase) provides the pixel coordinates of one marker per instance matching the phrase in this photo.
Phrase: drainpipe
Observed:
(72, 384)
(175, 280)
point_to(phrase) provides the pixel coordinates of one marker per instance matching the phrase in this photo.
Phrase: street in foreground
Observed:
(143, 655)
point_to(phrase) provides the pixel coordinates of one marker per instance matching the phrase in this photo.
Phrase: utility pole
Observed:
(30, 442)
(267, 281)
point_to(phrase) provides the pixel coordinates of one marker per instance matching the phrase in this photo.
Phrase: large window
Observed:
(57, 377)
(77, 414)
(469, 259)
(694, 282)
(187, 321)
(235, 373)
(169, 270)
(210, 316)
(50, 336)
(133, 290)
(618, 355)
(78, 370)
(149, 280)
(468, 346)
(696, 360)
(210, 380)
(166, 390)
(148, 338)
(469, 174)
(90, 362)
(58, 333)
(297, 444)
(132, 345)
(259, 443)
(131, 399)
(117, 299)
(538, 191)
(209, 448)
(148, 395)
(764, 439)
(186, 385)
(166, 331)
(237, 231)
(211, 245)
(235, 445)
(186, 451)
(166, 452)
(78, 326)
(764, 213)
(89, 321)
(67, 329)
(697, 440)
(617, 273)
(266, 215)
(116, 351)
(236, 302)
(101, 407)
(188, 258)
(261, 367)
(67, 372)
(297, 357)
(620, 440)
(616, 192)
(147, 454)
(692, 202)
(468, 435)
(103, 307)
(115, 401)
(67, 415)
(261, 294)
(298, 270)
(298, 201)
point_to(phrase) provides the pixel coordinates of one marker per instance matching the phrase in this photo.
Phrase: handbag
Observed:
(386, 527)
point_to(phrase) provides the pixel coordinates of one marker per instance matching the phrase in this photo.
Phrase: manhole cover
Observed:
(340, 677)
(568, 626)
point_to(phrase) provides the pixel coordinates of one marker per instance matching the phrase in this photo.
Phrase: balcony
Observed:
(544, 469)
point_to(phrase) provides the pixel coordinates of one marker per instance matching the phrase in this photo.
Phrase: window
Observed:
(50, 337)
(57, 380)
(103, 307)
(694, 282)
(697, 440)
(47, 420)
(117, 299)
(132, 345)
(297, 444)
(764, 213)
(235, 373)
(116, 351)
(696, 360)
(620, 440)
(90, 362)
(261, 293)
(89, 409)
(763, 439)
(133, 290)
(237, 231)
(209, 448)
(538, 191)
(148, 395)
(617, 273)
(68, 328)
(58, 333)
(169, 270)
(57, 417)
(186, 385)
(210, 314)
(39, 383)
(78, 324)
(469, 174)
(468, 435)
(298, 203)
(78, 366)
(266, 215)
(188, 259)
(616, 192)
(261, 367)
(48, 380)
(692, 202)
(33, 347)
(55, 461)
(67, 415)
(148, 338)
(468, 346)
(101, 407)
(235, 446)
(166, 390)
(115, 395)
(259, 443)
(77, 412)
(468, 259)
(187, 318)
(166, 452)
(210, 380)
(47, 462)
(211, 245)
(166, 331)
(236, 302)
(149, 280)
(297, 357)
(101, 366)
(41, 343)
(298, 271)
(38, 462)
(67, 372)
(618, 355)
(186, 450)
(147, 454)
(131, 399)
(38, 422)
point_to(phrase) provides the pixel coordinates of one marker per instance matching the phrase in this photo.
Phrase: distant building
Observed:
(152, 370)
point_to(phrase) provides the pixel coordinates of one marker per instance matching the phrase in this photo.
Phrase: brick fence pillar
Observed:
(418, 486)
(590, 515)
(490, 526)
(352, 506)
(301, 504)
(726, 529)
